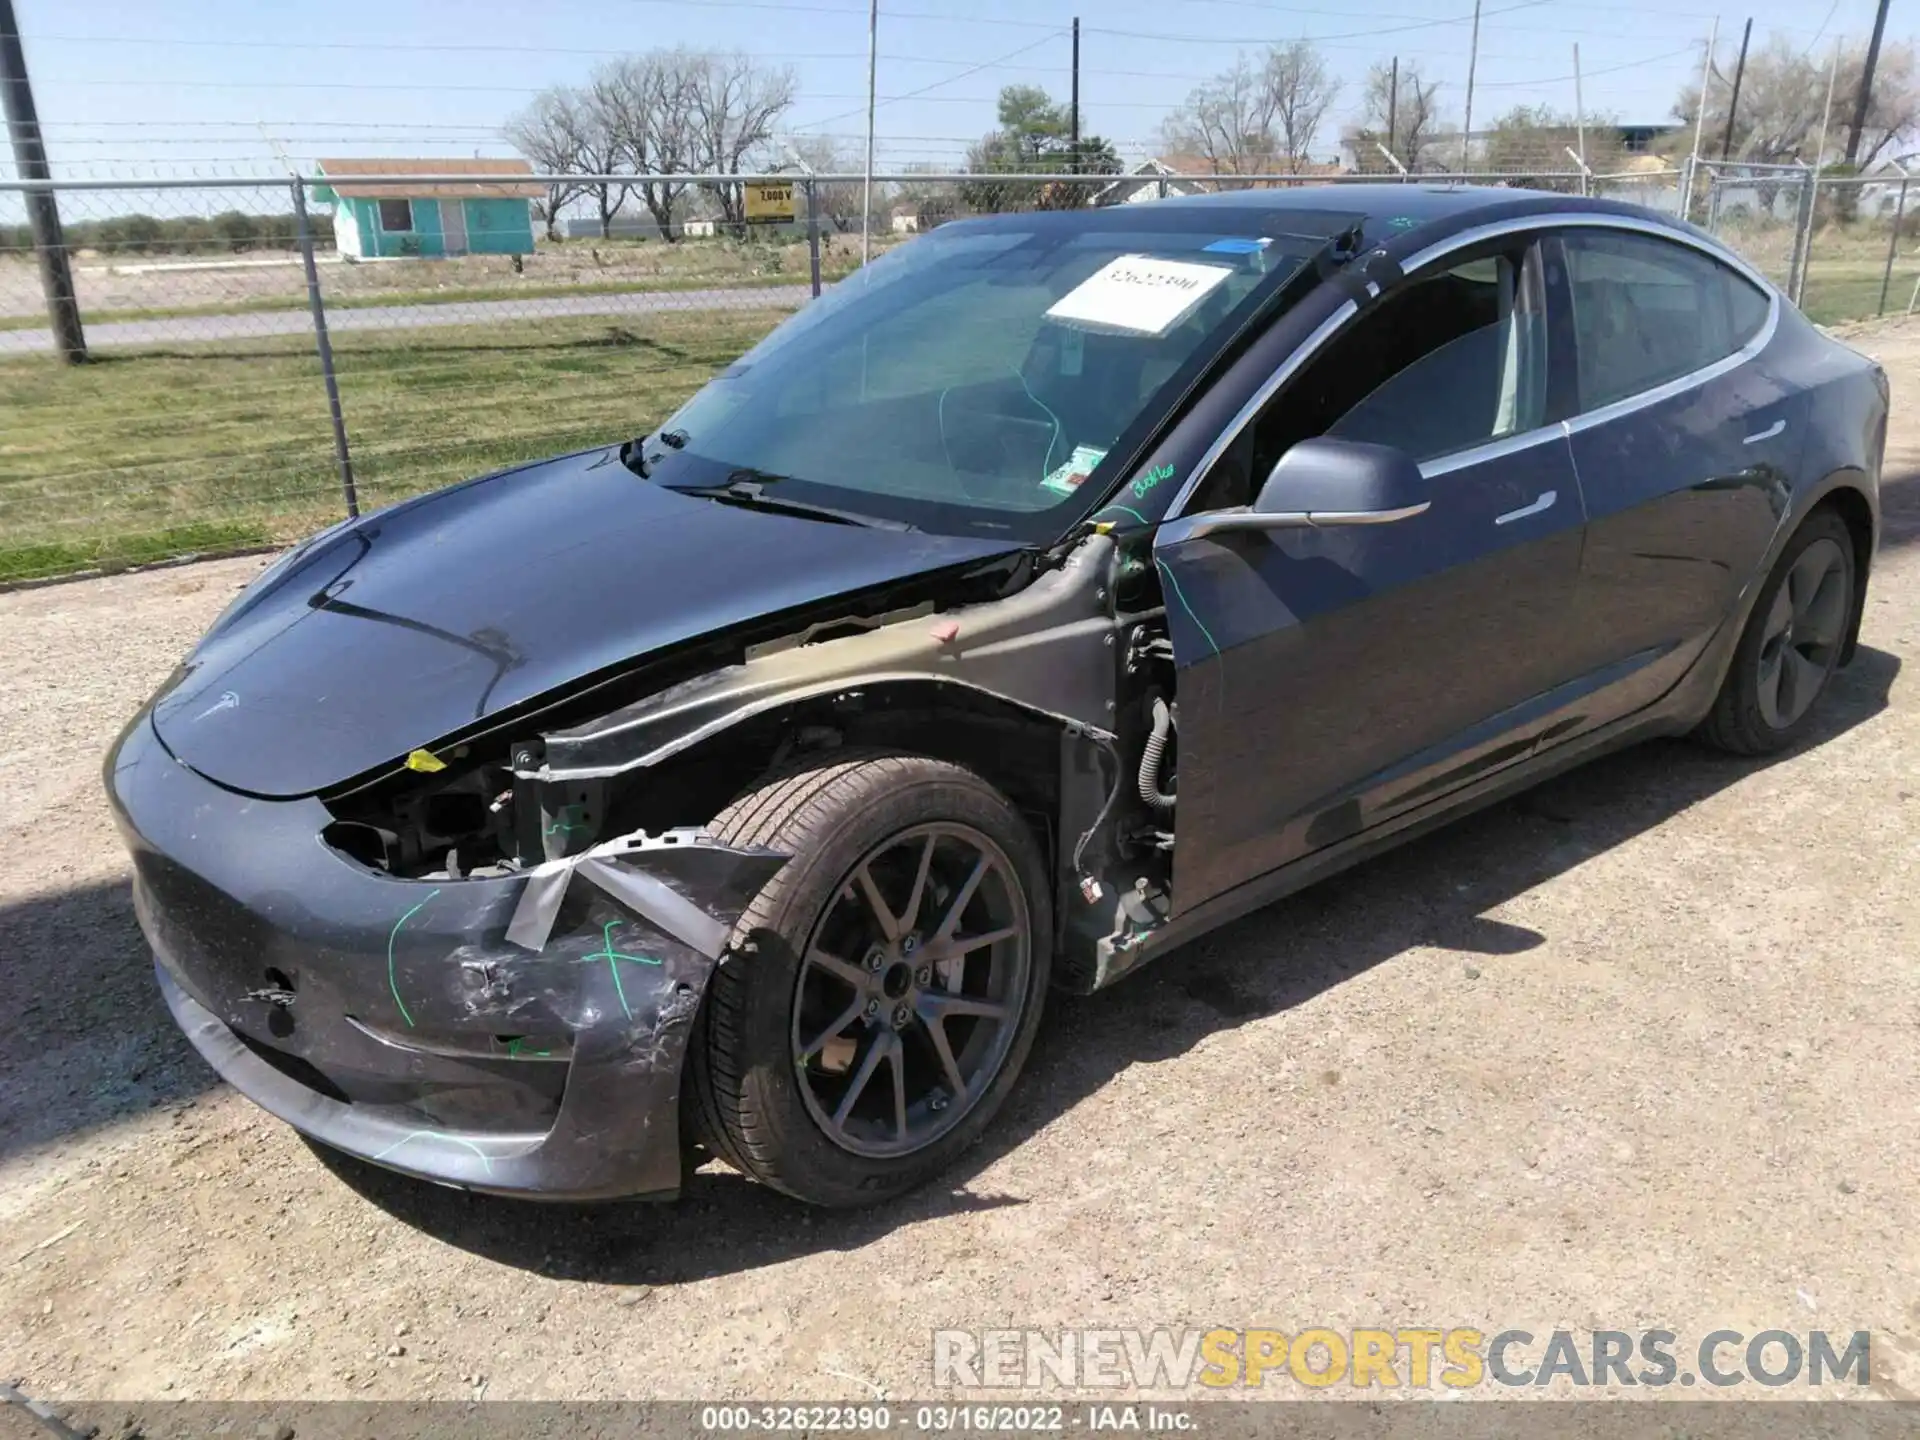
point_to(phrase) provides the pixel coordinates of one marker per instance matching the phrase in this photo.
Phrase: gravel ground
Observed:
(1635, 1050)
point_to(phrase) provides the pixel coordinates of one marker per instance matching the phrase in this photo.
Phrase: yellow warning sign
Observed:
(769, 204)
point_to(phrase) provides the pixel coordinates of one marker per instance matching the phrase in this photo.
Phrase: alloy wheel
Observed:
(1803, 634)
(919, 967)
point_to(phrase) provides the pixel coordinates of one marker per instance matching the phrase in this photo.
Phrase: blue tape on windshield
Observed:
(1234, 245)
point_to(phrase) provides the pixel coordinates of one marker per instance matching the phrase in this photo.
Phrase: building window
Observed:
(396, 215)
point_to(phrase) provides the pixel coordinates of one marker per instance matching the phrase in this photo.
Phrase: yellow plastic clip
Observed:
(425, 761)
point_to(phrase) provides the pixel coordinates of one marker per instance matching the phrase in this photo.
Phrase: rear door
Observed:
(1684, 442)
(1331, 679)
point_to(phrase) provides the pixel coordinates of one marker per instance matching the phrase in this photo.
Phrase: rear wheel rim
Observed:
(911, 990)
(1806, 626)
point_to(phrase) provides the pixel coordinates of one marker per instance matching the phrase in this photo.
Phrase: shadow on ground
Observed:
(84, 1038)
(1432, 892)
(1899, 511)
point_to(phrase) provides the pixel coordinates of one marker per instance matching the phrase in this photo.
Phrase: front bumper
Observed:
(392, 1019)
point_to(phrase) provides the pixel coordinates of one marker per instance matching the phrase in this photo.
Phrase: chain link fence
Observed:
(228, 323)
(201, 422)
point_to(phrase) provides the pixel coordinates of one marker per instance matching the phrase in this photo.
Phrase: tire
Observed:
(769, 1094)
(1744, 719)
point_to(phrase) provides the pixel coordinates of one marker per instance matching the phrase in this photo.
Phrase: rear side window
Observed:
(1646, 311)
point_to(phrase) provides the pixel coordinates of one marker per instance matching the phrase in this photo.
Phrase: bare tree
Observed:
(733, 104)
(931, 203)
(644, 101)
(551, 133)
(1228, 123)
(1531, 143)
(836, 202)
(1783, 95)
(1404, 117)
(1299, 92)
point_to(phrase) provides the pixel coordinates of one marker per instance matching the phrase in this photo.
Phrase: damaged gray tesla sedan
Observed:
(1059, 587)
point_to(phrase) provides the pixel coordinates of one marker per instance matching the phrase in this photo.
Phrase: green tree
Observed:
(1035, 138)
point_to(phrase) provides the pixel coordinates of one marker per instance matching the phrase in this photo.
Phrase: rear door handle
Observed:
(1545, 502)
(1767, 434)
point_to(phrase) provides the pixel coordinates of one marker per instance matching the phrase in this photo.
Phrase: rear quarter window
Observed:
(1647, 311)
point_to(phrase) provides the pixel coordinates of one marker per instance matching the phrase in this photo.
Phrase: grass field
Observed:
(147, 454)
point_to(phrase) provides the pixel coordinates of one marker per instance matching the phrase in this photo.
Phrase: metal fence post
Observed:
(813, 237)
(1893, 241)
(325, 347)
(1802, 238)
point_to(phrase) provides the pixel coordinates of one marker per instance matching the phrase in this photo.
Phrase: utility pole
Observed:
(1733, 100)
(43, 211)
(873, 71)
(1393, 101)
(1864, 98)
(1699, 121)
(1473, 59)
(1580, 122)
(1075, 123)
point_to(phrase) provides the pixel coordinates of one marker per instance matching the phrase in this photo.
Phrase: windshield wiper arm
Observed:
(633, 454)
(752, 495)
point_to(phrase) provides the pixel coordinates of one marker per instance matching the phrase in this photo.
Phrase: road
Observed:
(198, 329)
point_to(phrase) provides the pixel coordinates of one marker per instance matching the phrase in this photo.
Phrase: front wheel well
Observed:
(1014, 749)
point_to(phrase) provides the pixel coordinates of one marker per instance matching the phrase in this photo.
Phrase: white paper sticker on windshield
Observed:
(1138, 295)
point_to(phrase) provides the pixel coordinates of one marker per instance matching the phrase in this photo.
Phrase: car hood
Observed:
(391, 632)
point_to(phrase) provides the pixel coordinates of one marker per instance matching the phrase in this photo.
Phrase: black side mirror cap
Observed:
(1342, 477)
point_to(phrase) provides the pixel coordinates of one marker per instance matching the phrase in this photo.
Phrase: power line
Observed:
(922, 92)
(1317, 39)
(1586, 75)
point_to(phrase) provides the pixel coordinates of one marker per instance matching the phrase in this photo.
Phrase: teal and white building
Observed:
(491, 216)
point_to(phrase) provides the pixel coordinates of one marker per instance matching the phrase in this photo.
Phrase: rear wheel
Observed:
(882, 991)
(1791, 645)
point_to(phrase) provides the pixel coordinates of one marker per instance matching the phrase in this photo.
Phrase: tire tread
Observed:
(795, 808)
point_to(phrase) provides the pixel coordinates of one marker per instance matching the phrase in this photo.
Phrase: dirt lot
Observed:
(1637, 1050)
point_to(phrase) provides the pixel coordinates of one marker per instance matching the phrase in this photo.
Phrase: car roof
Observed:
(1410, 211)
(1403, 202)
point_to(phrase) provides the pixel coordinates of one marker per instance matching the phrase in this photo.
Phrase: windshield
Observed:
(974, 380)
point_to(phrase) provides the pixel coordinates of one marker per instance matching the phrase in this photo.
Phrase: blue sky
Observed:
(130, 87)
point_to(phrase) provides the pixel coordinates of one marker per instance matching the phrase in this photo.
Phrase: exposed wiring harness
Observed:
(1113, 796)
(1151, 756)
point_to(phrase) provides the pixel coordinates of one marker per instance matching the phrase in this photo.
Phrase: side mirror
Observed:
(1324, 482)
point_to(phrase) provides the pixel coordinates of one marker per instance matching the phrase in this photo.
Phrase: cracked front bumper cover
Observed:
(392, 1019)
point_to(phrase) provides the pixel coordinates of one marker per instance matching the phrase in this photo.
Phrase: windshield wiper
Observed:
(752, 495)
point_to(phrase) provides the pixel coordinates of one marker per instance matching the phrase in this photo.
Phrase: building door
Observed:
(453, 226)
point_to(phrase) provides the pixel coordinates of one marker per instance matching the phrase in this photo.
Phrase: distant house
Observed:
(1890, 190)
(1154, 179)
(386, 221)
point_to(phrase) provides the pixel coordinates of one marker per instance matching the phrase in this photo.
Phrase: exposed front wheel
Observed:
(1791, 645)
(882, 992)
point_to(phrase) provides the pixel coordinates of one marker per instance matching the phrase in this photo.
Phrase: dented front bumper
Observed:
(392, 1019)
